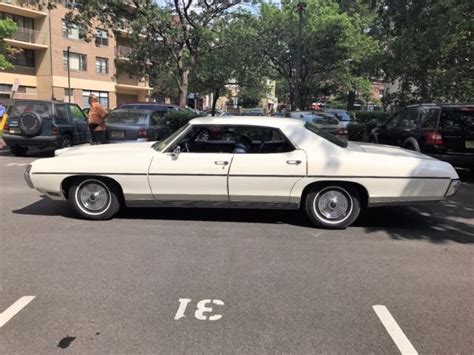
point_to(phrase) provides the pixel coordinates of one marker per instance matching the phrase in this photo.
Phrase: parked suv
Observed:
(44, 124)
(445, 132)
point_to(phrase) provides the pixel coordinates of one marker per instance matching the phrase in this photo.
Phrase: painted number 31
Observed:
(203, 311)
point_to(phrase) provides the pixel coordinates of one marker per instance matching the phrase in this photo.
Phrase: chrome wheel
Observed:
(93, 197)
(333, 204)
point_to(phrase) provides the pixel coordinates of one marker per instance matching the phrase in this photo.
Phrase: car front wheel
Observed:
(333, 206)
(94, 199)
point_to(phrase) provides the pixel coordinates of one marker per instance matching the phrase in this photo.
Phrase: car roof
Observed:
(141, 110)
(278, 122)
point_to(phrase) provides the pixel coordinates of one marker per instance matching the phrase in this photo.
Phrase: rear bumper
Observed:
(459, 161)
(38, 141)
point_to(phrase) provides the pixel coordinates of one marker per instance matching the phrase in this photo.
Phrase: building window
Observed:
(101, 65)
(25, 58)
(102, 96)
(68, 92)
(76, 61)
(21, 21)
(101, 37)
(74, 31)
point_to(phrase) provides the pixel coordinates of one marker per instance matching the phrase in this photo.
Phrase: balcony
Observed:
(28, 39)
(123, 52)
(27, 8)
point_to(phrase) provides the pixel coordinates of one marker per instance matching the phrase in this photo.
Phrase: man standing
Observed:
(96, 120)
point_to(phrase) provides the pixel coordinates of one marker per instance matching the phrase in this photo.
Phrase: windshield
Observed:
(159, 146)
(133, 118)
(323, 134)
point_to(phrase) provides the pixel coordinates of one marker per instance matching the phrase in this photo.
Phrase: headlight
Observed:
(453, 187)
(28, 177)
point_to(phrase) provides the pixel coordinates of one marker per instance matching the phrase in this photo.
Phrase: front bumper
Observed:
(458, 161)
(38, 141)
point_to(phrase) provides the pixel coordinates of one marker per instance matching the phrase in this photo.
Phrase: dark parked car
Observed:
(44, 124)
(342, 115)
(445, 132)
(150, 106)
(137, 125)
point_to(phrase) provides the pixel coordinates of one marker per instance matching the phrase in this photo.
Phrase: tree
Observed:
(7, 29)
(231, 61)
(169, 36)
(428, 48)
(335, 45)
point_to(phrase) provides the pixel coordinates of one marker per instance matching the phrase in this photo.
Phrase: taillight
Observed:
(434, 138)
(342, 132)
(142, 133)
(54, 131)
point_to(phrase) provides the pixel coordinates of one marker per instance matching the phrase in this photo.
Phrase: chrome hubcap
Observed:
(94, 196)
(333, 205)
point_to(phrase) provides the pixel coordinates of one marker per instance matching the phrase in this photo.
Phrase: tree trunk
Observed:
(214, 102)
(351, 96)
(183, 88)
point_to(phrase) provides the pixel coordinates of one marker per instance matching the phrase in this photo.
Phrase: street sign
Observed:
(16, 85)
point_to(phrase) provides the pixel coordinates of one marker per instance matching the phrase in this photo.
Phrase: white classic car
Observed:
(243, 162)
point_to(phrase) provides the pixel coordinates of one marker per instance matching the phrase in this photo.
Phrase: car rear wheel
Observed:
(333, 206)
(65, 141)
(94, 199)
(18, 151)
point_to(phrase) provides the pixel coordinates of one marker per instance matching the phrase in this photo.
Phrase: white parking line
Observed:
(16, 307)
(394, 330)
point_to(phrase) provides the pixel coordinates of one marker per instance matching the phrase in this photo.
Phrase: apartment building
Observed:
(47, 44)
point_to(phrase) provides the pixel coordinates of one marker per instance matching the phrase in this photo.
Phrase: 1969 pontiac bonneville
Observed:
(243, 162)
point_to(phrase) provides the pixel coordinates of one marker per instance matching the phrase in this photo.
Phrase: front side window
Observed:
(101, 37)
(76, 113)
(234, 139)
(72, 30)
(76, 61)
(101, 65)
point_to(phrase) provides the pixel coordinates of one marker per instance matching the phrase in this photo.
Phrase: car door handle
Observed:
(293, 162)
(221, 162)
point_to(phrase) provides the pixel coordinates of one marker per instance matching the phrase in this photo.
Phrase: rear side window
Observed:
(457, 118)
(327, 136)
(409, 119)
(429, 117)
(60, 114)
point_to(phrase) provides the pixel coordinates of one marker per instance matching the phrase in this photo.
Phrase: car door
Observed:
(79, 121)
(266, 174)
(193, 169)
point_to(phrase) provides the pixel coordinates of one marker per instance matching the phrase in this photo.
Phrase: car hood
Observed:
(103, 148)
(386, 150)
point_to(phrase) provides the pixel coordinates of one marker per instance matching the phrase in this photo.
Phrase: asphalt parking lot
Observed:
(231, 281)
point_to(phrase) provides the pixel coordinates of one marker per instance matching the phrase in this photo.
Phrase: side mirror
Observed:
(176, 151)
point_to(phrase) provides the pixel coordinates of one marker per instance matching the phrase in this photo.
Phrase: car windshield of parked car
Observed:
(323, 134)
(133, 118)
(41, 108)
(342, 115)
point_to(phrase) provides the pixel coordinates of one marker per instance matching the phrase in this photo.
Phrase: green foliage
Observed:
(178, 119)
(7, 29)
(429, 49)
(360, 132)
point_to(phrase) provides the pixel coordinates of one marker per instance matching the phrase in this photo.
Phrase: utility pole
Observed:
(298, 99)
(68, 53)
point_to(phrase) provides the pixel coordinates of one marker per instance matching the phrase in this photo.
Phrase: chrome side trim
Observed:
(387, 201)
(213, 204)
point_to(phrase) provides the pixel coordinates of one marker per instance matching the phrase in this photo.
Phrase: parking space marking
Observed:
(16, 307)
(394, 330)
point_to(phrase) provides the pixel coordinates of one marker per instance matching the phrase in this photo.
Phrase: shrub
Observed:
(177, 119)
(360, 132)
(365, 117)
